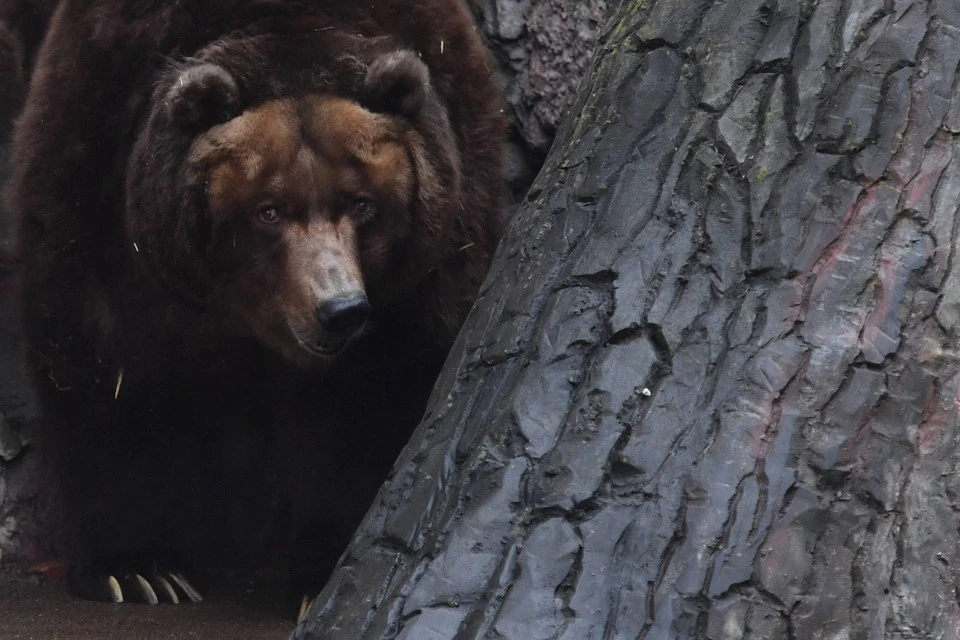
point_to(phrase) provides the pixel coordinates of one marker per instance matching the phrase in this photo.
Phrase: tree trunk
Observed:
(711, 387)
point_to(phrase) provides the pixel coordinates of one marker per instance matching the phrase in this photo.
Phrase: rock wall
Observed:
(20, 517)
(542, 48)
(22, 514)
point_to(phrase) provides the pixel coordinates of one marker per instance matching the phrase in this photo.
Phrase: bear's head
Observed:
(299, 215)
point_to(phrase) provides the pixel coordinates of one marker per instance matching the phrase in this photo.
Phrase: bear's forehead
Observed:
(332, 127)
(299, 136)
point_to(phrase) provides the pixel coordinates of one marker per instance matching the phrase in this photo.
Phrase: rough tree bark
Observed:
(711, 387)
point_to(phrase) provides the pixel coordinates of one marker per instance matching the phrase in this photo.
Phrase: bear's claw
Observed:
(114, 592)
(101, 588)
(188, 589)
(169, 587)
(304, 605)
(137, 589)
(164, 590)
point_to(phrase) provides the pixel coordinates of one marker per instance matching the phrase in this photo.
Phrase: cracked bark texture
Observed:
(711, 387)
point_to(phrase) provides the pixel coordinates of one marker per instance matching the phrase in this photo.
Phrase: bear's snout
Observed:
(343, 315)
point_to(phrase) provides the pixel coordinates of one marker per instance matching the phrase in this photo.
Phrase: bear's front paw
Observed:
(159, 587)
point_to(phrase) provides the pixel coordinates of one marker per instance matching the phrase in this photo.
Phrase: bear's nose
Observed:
(344, 314)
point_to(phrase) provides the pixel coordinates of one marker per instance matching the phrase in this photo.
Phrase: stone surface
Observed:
(543, 49)
(18, 409)
(11, 443)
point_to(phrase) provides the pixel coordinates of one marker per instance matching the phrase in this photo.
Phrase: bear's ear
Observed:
(396, 83)
(201, 96)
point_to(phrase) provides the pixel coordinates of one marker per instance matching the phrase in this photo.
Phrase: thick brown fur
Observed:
(187, 426)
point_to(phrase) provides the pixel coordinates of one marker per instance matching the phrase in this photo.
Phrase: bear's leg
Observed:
(328, 487)
(328, 506)
(118, 464)
(341, 444)
(325, 519)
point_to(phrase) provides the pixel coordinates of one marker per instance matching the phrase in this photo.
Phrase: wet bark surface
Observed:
(711, 387)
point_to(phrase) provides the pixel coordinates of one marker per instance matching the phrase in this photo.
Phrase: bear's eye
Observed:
(269, 214)
(364, 208)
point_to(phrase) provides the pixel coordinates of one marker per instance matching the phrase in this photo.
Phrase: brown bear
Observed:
(250, 230)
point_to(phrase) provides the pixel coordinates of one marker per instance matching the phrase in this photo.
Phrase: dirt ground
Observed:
(35, 610)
